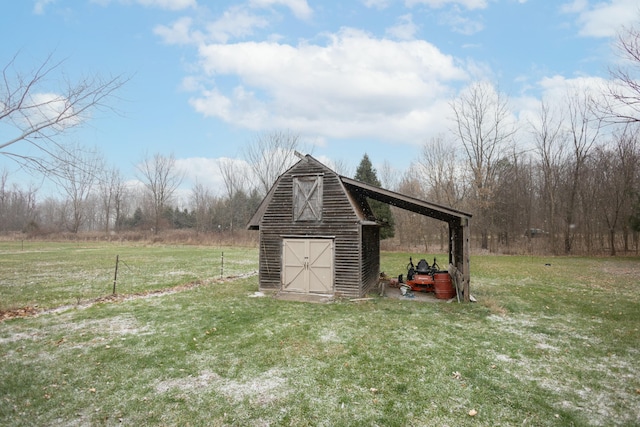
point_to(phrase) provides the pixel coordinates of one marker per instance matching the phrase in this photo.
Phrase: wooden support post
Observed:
(466, 259)
(452, 258)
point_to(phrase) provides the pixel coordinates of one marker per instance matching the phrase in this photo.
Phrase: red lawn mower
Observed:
(428, 278)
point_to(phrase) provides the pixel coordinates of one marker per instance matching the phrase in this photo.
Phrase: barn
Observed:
(318, 235)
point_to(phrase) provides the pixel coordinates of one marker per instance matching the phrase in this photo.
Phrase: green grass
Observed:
(54, 274)
(544, 346)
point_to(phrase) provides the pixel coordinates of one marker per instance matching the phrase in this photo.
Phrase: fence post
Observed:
(115, 276)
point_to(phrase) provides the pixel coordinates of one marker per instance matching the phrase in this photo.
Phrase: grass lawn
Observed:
(546, 345)
(55, 274)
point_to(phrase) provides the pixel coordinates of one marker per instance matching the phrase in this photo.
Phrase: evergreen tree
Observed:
(634, 219)
(367, 174)
(137, 219)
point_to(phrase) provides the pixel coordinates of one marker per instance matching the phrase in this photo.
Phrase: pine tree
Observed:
(367, 174)
(634, 219)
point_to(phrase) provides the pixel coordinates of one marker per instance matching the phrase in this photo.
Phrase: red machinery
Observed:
(429, 278)
(420, 278)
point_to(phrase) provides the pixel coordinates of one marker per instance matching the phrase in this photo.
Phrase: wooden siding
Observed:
(370, 258)
(348, 220)
(338, 221)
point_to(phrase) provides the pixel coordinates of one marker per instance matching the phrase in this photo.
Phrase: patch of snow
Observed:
(261, 390)
(504, 358)
(257, 294)
(179, 273)
(545, 346)
(329, 335)
(188, 383)
(18, 337)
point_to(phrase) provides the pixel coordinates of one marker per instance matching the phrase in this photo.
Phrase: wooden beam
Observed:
(466, 258)
(451, 245)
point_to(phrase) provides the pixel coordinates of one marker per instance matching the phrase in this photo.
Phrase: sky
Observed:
(349, 77)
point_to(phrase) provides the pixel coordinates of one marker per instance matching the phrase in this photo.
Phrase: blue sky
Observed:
(349, 77)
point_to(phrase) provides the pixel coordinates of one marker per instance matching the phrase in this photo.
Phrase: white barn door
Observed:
(307, 265)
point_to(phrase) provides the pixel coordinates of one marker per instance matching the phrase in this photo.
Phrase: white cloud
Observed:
(39, 6)
(50, 108)
(169, 4)
(555, 91)
(354, 86)
(603, 19)
(179, 32)
(461, 24)
(468, 4)
(234, 23)
(405, 29)
(206, 172)
(161, 4)
(576, 6)
(214, 104)
(300, 8)
(376, 4)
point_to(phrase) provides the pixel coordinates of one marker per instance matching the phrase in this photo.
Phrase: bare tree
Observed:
(514, 206)
(39, 112)
(389, 176)
(77, 182)
(17, 205)
(52, 214)
(111, 187)
(411, 228)
(483, 125)
(550, 147)
(270, 155)
(161, 179)
(438, 167)
(202, 202)
(122, 205)
(341, 167)
(233, 176)
(584, 130)
(623, 101)
(615, 171)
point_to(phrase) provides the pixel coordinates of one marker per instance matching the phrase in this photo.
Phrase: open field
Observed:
(52, 274)
(546, 345)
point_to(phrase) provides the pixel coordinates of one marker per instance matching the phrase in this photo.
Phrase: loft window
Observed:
(307, 198)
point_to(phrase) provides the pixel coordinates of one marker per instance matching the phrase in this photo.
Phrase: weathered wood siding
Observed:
(370, 258)
(338, 221)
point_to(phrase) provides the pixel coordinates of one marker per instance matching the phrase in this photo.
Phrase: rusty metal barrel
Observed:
(443, 285)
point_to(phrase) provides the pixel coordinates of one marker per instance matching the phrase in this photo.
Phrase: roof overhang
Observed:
(403, 201)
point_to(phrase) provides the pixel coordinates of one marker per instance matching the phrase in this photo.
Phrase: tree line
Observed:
(111, 206)
(562, 197)
(559, 198)
(572, 186)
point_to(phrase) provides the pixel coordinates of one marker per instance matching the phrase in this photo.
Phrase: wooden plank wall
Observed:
(370, 258)
(338, 220)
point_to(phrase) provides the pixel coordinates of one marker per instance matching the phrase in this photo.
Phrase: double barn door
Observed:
(307, 265)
